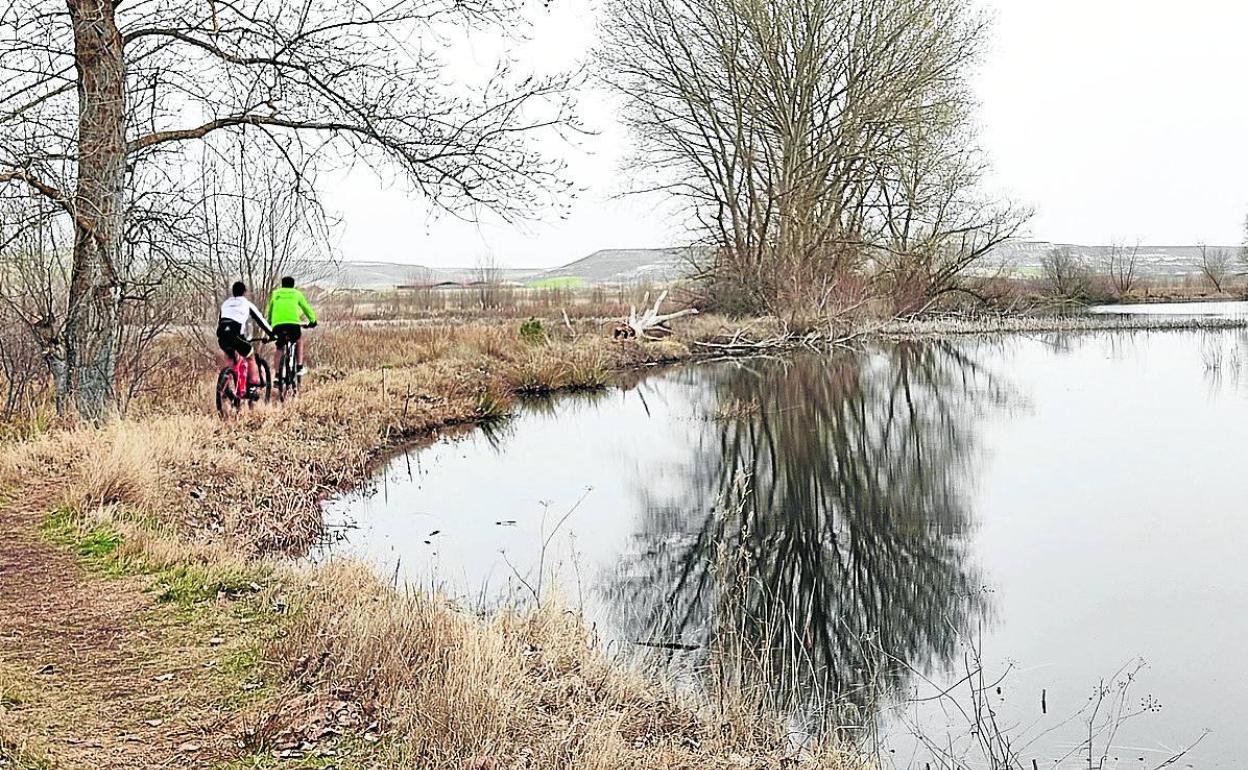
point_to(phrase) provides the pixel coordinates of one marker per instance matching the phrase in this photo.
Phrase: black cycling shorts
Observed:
(287, 333)
(230, 338)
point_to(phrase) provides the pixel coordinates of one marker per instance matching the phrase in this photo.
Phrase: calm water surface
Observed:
(855, 530)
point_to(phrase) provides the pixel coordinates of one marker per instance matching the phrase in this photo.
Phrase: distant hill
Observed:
(622, 266)
(608, 266)
(387, 275)
(626, 266)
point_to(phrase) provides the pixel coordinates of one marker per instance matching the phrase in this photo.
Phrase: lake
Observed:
(1051, 526)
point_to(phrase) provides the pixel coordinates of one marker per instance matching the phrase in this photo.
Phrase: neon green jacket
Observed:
(286, 305)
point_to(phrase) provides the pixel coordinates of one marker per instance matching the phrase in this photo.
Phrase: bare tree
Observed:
(932, 222)
(33, 281)
(781, 124)
(1121, 264)
(101, 99)
(1066, 273)
(487, 280)
(261, 221)
(1214, 265)
(35, 262)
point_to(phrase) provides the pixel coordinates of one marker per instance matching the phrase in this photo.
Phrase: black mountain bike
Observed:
(288, 376)
(231, 390)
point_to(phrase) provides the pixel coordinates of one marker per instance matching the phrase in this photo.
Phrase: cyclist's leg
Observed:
(247, 358)
(297, 332)
(232, 343)
(283, 335)
(238, 378)
(225, 343)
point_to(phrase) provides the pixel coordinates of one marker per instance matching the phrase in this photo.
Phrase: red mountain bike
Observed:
(231, 391)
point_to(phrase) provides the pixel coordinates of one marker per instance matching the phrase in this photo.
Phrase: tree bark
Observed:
(93, 313)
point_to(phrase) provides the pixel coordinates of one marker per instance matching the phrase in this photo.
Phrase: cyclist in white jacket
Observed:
(236, 312)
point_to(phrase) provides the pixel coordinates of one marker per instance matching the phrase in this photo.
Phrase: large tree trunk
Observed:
(93, 312)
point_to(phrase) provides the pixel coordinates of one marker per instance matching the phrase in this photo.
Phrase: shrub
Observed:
(532, 331)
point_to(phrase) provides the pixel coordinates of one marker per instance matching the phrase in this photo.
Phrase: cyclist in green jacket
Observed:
(287, 309)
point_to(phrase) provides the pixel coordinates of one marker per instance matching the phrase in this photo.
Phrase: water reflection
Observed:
(819, 527)
(814, 517)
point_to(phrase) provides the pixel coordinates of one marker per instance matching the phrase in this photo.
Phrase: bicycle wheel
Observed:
(295, 377)
(227, 399)
(288, 378)
(281, 377)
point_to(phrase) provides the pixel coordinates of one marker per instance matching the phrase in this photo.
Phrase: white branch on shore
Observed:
(651, 319)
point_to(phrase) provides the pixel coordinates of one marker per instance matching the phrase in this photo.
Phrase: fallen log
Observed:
(650, 325)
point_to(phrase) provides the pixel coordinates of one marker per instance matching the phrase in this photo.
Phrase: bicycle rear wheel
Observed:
(281, 379)
(296, 378)
(288, 376)
(227, 398)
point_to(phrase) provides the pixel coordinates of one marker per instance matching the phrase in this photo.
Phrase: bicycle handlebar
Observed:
(274, 339)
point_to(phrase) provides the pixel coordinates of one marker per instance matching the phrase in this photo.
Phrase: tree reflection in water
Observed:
(819, 530)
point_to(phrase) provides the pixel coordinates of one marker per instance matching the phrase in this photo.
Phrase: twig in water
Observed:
(669, 646)
(541, 563)
(545, 543)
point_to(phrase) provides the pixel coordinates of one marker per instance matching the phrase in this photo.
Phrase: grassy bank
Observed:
(330, 667)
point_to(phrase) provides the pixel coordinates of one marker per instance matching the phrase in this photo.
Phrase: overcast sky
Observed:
(1113, 119)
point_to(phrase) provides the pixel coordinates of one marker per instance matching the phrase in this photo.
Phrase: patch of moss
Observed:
(183, 584)
(187, 585)
(245, 665)
(243, 661)
(96, 544)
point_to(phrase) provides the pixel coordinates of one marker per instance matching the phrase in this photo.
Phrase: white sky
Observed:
(1113, 119)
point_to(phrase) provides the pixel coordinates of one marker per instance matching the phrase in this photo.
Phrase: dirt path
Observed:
(93, 671)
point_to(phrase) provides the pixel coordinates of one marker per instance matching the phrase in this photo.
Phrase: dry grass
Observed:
(516, 690)
(587, 302)
(18, 749)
